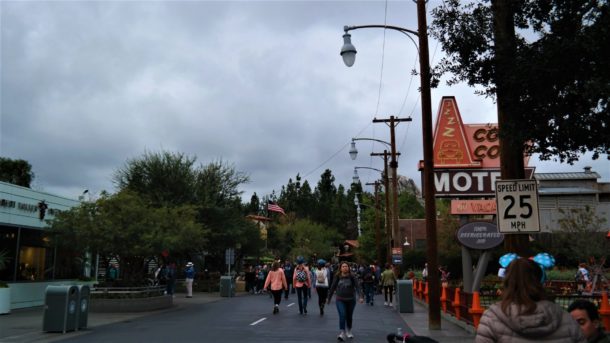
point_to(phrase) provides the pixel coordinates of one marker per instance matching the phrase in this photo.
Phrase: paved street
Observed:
(210, 318)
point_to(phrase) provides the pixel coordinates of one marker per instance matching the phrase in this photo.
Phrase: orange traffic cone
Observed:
(604, 311)
(476, 310)
(444, 299)
(456, 303)
(426, 294)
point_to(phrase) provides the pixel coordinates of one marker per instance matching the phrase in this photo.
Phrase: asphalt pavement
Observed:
(25, 325)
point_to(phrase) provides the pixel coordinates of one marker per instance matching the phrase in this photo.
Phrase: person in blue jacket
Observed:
(190, 277)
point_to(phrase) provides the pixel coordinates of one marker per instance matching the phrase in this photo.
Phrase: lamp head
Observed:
(355, 178)
(406, 242)
(353, 152)
(348, 51)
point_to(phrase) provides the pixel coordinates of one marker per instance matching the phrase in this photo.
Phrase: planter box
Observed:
(130, 305)
(5, 300)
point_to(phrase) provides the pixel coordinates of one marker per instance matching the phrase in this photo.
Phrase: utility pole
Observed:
(377, 228)
(392, 122)
(388, 208)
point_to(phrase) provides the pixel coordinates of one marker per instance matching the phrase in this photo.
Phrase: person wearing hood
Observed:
(524, 313)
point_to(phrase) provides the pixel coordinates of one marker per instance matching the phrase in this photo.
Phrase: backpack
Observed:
(321, 276)
(368, 276)
(301, 275)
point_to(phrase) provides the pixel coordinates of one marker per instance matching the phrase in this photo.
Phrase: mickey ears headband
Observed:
(543, 259)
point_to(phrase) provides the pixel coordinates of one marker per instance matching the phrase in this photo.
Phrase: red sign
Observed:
(466, 156)
(473, 207)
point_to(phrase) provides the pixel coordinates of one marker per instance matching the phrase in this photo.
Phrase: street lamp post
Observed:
(391, 210)
(348, 52)
(377, 229)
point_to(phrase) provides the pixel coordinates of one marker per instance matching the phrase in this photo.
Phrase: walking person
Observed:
(322, 284)
(288, 273)
(190, 277)
(276, 281)
(368, 284)
(171, 278)
(345, 284)
(301, 281)
(524, 314)
(388, 280)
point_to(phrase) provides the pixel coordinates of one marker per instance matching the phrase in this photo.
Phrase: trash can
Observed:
(82, 308)
(404, 296)
(60, 305)
(227, 286)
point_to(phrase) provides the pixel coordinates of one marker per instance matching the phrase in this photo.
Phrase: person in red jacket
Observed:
(277, 280)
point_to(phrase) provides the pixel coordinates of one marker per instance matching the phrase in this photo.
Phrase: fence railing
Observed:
(460, 304)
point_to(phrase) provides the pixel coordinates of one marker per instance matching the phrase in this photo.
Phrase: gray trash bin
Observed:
(227, 286)
(60, 306)
(82, 308)
(404, 296)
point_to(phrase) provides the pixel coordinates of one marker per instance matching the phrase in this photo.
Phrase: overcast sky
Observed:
(260, 85)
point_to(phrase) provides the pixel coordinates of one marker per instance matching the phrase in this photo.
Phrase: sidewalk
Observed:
(25, 325)
(452, 330)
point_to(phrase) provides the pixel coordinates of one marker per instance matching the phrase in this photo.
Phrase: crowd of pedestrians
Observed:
(349, 283)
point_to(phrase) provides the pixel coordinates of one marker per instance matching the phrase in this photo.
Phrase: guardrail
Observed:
(467, 307)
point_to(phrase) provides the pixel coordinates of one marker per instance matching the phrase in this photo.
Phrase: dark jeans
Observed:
(387, 293)
(302, 298)
(287, 290)
(277, 296)
(322, 295)
(369, 292)
(345, 308)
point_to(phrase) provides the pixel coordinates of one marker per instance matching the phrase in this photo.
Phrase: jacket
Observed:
(388, 278)
(347, 288)
(548, 323)
(276, 279)
(299, 284)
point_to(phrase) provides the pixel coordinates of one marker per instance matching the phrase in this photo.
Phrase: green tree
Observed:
(308, 239)
(17, 172)
(125, 227)
(550, 78)
(581, 235)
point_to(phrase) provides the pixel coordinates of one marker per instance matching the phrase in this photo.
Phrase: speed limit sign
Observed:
(517, 206)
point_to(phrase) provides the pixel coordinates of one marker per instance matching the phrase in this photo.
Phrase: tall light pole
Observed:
(348, 52)
(391, 208)
(377, 229)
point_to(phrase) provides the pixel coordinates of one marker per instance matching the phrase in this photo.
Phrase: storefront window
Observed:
(31, 263)
(8, 245)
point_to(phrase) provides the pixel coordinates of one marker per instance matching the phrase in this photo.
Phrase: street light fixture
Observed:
(348, 52)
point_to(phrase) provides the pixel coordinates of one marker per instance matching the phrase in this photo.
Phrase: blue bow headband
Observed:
(543, 259)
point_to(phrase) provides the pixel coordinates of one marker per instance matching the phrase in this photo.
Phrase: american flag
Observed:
(271, 206)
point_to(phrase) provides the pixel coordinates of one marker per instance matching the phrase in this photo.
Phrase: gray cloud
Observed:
(261, 85)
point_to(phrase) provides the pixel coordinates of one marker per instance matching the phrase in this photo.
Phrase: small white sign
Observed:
(517, 205)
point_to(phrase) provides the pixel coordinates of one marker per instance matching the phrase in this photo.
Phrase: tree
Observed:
(581, 235)
(125, 227)
(17, 172)
(307, 239)
(549, 80)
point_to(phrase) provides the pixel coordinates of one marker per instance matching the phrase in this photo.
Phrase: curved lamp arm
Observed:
(348, 51)
(353, 152)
